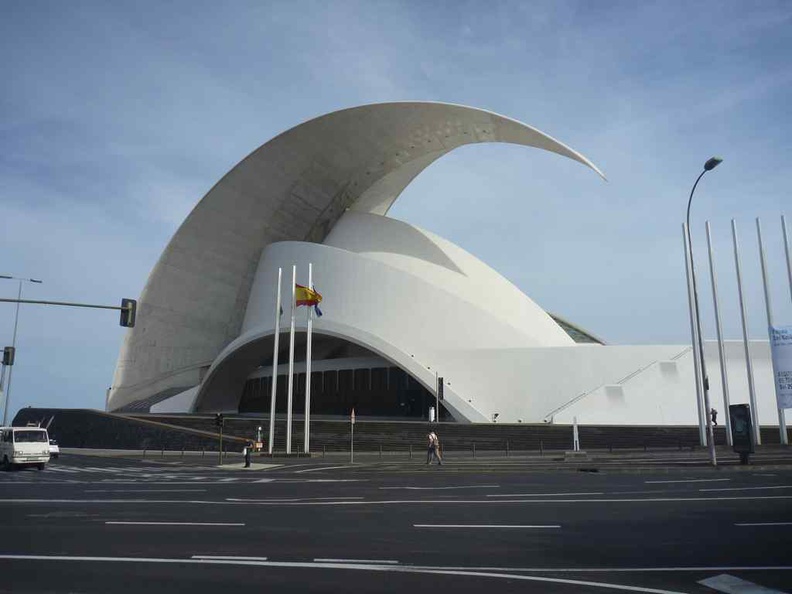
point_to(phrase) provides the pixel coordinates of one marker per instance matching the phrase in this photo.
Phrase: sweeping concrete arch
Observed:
(293, 188)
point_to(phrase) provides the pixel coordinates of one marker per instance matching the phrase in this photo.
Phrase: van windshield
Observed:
(30, 436)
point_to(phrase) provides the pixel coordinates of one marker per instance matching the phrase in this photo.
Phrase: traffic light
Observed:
(219, 420)
(128, 313)
(8, 355)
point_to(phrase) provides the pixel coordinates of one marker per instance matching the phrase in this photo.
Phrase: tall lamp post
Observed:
(708, 166)
(13, 340)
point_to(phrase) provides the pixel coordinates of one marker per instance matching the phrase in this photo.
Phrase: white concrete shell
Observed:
(202, 300)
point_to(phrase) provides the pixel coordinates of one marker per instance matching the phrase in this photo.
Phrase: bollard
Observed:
(410, 451)
(162, 453)
(324, 451)
(203, 451)
(144, 453)
(541, 448)
(380, 446)
(474, 449)
(182, 450)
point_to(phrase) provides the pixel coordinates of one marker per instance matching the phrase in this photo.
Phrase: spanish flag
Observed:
(310, 297)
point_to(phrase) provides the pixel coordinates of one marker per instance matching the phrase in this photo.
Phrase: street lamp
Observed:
(711, 164)
(13, 340)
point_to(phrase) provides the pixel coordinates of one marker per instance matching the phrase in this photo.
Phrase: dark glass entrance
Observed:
(376, 392)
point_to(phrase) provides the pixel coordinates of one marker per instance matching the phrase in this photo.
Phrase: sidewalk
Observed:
(767, 458)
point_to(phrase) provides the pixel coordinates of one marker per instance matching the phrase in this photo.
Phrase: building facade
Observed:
(403, 307)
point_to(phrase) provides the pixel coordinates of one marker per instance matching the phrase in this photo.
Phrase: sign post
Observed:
(352, 438)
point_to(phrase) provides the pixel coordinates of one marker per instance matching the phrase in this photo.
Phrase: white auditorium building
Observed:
(402, 306)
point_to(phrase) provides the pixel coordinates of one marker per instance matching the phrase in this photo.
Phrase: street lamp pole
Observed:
(13, 340)
(708, 166)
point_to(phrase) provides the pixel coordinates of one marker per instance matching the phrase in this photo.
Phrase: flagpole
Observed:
(275, 364)
(721, 347)
(744, 319)
(768, 307)
(307, 439)
(291, 365)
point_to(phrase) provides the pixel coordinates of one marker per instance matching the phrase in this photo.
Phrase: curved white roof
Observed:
(294, 187)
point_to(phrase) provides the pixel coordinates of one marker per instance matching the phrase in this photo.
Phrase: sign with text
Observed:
(781, 349)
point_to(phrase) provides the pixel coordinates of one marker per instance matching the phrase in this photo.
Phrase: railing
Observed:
(548, 418)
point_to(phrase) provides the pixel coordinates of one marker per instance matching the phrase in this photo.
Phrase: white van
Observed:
(24, 446)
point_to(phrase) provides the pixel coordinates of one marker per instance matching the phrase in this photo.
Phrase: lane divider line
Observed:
(285, 500)
(541, 494)
(113, 523)
(374, 561)
(484, 526)
(764, 524)
(444, 502)
(445, 488)
(748, 488)
(224, 557)
(718, 480)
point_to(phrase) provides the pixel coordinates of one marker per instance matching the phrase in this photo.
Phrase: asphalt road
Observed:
(98, 524)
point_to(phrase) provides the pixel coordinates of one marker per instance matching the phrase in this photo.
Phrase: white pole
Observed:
(306, 441)
(352, 437)
(291, 365)
(786, 251)
(575, 438)
(748, 363)
(694, 342)
(275, 363)
(11, 370)
(437, 396)
(721, 351)
(781, 420)
(2, 380)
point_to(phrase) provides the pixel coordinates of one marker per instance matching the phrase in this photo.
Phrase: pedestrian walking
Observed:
(714, 415)
(433, 450)
(247, 452)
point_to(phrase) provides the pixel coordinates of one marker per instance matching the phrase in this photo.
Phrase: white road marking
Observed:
(145, 491)
(734, 585)
(425, 567)
(345, 566)
(541, 494)
(328, 468)
(283, 499)
(264, 481)
(767, 474)
(444, 502)
(174, 523)
(764, 524)
(214, 557)
(374, 561)
(483, 526)
(747, 488)
(613, 569)
(443, 488)
(687, 481)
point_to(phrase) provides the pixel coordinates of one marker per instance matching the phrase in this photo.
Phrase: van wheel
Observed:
(40, 466)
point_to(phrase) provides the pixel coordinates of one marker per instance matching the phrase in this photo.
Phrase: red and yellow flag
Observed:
(310, 297)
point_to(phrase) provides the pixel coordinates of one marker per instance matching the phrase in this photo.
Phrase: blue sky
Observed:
(116, 118)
